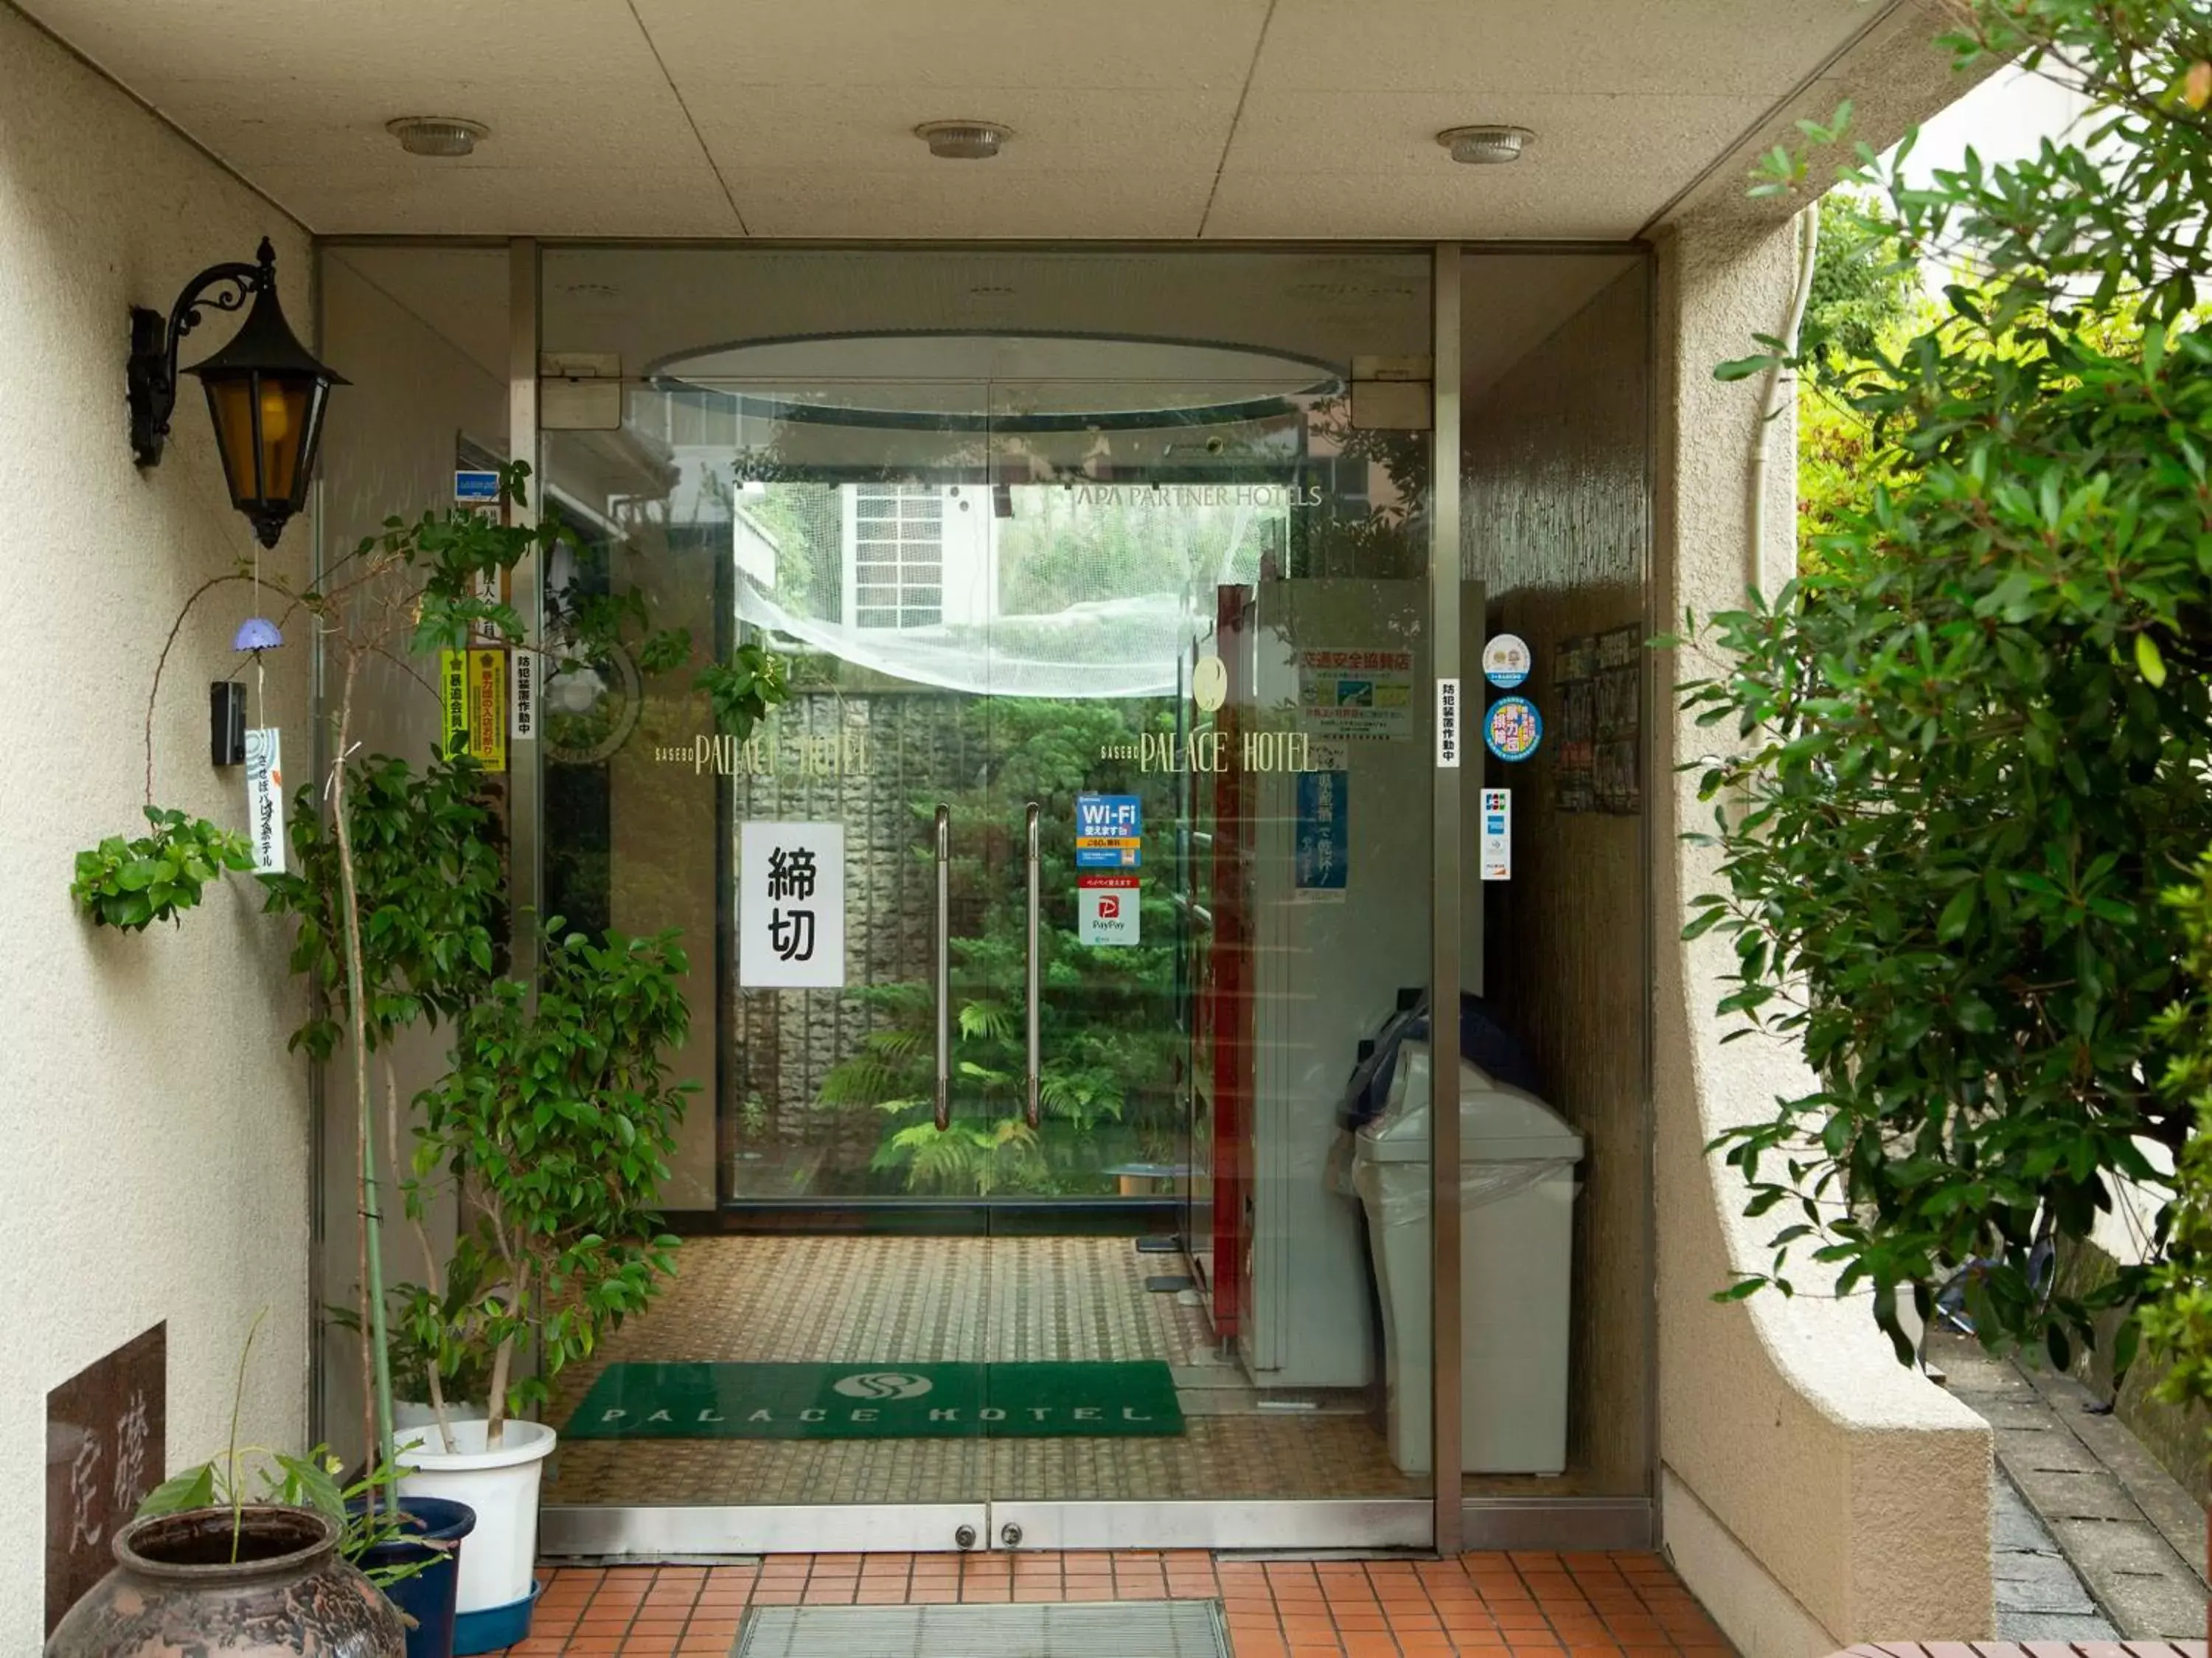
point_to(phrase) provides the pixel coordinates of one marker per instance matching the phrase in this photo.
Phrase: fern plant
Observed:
(1107, 1029)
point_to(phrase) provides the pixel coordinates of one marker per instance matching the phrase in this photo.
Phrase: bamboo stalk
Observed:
(372, 1232)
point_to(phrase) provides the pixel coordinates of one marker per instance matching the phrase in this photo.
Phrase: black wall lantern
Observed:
(265, 392)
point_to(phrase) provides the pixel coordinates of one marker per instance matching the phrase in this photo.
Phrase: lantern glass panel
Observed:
(261, 424)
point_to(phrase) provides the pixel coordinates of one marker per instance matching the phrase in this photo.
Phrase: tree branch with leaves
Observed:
(399, 888)
(1967, 761)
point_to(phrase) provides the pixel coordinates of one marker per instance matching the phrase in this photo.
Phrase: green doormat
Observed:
(877, 1401)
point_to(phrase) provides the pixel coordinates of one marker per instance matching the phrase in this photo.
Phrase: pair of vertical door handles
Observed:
(945, 995)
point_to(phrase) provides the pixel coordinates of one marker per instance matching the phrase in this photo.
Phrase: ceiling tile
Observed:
(342, 123)
(1122, 113)
(919, 43)
(956, 203)
(1556, 46)
(775, 127)
(1392, 206)
(548, 201)
(149, 43)
(1356, 133)
(1346, 164)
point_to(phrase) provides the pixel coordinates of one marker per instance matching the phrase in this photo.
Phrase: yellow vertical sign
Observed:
(487, 712)
(454, 703)
(473, 706)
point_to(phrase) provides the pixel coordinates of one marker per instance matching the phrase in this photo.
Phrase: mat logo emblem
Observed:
(882, 1384)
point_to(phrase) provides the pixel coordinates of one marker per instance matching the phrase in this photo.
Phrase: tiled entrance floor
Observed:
(1629, 1605)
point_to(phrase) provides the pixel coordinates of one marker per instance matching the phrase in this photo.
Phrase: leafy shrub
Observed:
(2177, 1320)
(1972, 744)
(553, 1127)
(131, 884)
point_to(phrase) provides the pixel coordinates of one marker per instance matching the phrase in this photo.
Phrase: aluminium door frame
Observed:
(642, 1532)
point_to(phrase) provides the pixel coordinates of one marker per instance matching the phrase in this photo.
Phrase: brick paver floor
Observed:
(1490, 1604)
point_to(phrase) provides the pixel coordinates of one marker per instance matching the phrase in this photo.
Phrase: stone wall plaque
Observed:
(107, 1446)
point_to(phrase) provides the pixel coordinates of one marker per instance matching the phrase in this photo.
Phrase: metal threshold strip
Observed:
(1114, 1629)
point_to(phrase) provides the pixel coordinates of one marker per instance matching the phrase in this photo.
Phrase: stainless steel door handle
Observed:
(1036, 1041)
(943, 968)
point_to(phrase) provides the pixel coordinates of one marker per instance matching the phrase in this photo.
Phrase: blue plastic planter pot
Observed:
(495, 1629)
(428, 1596)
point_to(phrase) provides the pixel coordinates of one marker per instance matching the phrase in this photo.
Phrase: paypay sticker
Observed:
(1106, 908)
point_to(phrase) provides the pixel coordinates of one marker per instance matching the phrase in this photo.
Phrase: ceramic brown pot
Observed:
(174, 1590)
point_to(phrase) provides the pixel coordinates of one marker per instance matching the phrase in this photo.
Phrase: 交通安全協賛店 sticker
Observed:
(1356, 694)
(1505, 660)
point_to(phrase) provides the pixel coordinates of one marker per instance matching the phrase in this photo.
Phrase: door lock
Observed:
(1010, 1535)
(964, 1538)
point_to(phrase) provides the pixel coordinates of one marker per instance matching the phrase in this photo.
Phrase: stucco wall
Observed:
(1556, 482)
(1815, 1493)
(157, 1163)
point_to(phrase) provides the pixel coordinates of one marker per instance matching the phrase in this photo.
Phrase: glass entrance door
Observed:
(1208, 640)
(815, 1373)
(1019, 1205)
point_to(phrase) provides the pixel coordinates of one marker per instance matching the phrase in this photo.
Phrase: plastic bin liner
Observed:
(1483, 1042)
(1510, 1140)
(1479, 1183)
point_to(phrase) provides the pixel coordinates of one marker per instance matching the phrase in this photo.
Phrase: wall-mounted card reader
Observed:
(227, 722)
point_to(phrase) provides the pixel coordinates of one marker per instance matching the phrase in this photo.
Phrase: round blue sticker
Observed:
(1512, 728)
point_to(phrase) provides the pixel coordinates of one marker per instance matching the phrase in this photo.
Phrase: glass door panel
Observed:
(812, 1366)
(1210, 597)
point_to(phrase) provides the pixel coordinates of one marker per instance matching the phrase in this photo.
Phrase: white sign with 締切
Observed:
(790, 906)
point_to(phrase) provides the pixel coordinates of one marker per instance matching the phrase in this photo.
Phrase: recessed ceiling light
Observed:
(1485, 146)
(437, 135)
(963, 141)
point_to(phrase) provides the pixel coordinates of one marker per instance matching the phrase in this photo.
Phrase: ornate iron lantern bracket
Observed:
(155, 340)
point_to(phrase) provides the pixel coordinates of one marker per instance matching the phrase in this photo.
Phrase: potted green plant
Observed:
(401, 900)
(398, 892)
(263, 1580)
(552, 1128)
(261, 1552)
(439, 1373)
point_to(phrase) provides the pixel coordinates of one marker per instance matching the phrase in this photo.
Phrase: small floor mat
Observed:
(1116, 1628)
(1074, 1399)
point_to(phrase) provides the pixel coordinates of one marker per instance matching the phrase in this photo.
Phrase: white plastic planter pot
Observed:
(501, 1485)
